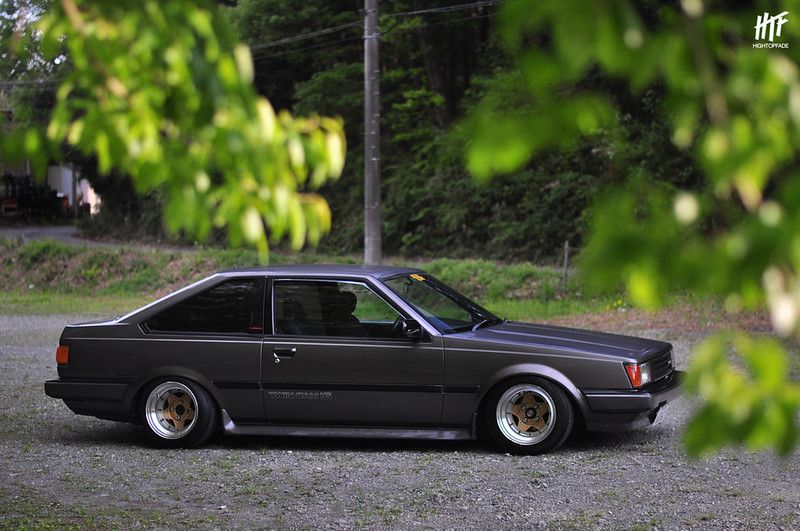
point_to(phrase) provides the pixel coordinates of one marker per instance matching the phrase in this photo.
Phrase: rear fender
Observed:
(171, 372)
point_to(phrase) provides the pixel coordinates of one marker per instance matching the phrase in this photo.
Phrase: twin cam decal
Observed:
(300, 395)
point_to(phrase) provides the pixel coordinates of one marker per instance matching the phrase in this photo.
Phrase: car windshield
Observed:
(444, 307)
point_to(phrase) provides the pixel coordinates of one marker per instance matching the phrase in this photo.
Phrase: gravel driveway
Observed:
(59, 469)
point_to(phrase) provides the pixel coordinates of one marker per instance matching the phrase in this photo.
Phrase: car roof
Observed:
(322, 270)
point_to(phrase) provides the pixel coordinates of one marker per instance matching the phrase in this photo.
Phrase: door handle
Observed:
(284, 352)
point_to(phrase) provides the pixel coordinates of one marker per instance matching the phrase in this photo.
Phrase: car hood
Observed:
(572, 340)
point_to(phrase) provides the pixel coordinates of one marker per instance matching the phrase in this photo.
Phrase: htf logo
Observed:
(772, 24)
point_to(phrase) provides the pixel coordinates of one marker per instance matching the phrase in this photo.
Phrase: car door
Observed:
(334, 359)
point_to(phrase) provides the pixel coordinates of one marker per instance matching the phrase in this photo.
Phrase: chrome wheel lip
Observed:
(154, 410)
(505, 421)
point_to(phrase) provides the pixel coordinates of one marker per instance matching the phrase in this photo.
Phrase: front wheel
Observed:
(178, 413)
(529, 416)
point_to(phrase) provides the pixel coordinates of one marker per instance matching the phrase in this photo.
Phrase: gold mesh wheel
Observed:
(525, 414)
(171, 410)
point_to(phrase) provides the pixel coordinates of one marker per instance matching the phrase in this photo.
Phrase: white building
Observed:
(67, 182)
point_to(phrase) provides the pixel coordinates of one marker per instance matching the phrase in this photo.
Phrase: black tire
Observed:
(178, 413)
(534, 435)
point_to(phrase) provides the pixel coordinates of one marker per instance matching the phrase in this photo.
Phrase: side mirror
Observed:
(411, 329)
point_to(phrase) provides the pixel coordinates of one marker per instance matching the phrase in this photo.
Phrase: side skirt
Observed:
(345, 431)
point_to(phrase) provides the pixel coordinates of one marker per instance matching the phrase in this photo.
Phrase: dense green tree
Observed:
(434, 67)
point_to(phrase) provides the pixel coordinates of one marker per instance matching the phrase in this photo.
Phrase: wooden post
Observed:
(565, 275)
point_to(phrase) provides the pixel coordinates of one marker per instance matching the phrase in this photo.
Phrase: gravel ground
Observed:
(59, 469)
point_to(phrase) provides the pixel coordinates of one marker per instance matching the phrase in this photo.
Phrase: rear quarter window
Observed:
(234, 307)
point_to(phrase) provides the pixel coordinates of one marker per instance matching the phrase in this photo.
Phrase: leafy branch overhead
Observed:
(736, 108)
(163, 91)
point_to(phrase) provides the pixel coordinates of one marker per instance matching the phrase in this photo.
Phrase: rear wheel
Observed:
(178, 413)
(529, 416)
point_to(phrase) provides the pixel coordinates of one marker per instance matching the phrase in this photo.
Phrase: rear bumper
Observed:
(629, 409)
(106, 400)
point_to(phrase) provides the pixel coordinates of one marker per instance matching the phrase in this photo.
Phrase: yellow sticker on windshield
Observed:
(417, 277)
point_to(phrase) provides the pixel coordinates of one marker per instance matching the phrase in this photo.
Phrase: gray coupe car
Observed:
(351, 351)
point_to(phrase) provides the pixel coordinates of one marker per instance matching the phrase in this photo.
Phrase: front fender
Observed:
(535, 369)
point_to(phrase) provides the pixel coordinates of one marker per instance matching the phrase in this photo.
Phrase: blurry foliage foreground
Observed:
(163, 91)
(736, 108)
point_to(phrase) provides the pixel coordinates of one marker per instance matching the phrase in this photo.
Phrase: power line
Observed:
(358, 38)
(445, 9)
(463, 19)
(313, 46)
(31, 90)
(340, 27)
(382, 33)
(304, 36)
(441, 22)
(320, 33)
(33, 82)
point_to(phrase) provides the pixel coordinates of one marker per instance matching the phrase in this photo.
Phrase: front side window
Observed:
(444, 307)
(331, 308)
(233, 307)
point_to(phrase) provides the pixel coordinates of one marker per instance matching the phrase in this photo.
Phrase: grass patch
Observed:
(42, 251)
(49, 303)
(49, 277)
(535, 309)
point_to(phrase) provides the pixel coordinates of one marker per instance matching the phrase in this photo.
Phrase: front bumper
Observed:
(105, 400)
(630, 409)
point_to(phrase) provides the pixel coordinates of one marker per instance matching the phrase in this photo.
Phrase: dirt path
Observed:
(59, 469)
(71, 235)
(62, 233)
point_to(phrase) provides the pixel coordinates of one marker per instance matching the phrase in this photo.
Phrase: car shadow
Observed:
(582, 440)
(130, 435)
(106, 433)
(314, 444)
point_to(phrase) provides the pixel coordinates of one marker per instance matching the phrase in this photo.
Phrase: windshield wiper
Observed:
(487, 322)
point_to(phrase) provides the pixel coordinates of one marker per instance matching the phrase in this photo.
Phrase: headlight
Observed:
(638, 373)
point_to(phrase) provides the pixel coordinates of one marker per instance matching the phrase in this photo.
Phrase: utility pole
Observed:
(372, 137)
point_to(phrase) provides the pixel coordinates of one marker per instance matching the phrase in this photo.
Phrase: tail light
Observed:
(638, 374)
(62, 354)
